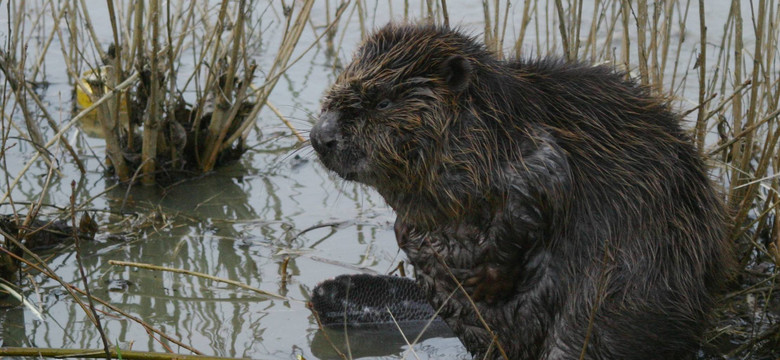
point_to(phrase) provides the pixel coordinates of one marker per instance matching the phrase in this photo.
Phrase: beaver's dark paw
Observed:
(490, 284)
(401, 233)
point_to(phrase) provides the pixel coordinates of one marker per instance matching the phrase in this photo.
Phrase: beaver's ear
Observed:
(456, 71)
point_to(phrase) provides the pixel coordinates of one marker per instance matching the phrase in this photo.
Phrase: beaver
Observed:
(551, 209)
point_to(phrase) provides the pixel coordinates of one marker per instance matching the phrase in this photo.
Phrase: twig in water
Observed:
(318, 226)
(92, 353)
(325, 333)
(285, 121)
(21, 298)
(198, 274)
(395, 322)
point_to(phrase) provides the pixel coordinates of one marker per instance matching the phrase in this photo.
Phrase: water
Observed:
(238, 223)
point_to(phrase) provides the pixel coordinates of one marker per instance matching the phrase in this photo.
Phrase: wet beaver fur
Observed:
(566, 200)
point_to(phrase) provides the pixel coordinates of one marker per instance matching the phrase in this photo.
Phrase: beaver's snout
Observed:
(325, 134)
(336, 152)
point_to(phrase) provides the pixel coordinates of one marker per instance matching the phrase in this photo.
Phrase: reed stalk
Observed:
(666, 34)
(641, 41)
(109, 124)
(626, 42)
(281, 62)
(701, 63)
(489, 42)
(115, 353)
(567, 49)
(198, 274)
(523, 28)
(576, 26)
(220, 119)
(152, 118)
(740, 199)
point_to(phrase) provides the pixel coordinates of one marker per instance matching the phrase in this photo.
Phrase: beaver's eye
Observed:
(384, 104)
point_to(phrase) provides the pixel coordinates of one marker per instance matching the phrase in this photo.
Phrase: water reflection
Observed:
(380, 342)
(237, 224)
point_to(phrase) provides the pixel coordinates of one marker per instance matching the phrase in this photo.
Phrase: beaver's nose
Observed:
(325, 133)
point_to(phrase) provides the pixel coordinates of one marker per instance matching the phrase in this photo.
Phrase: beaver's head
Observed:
(387, 121)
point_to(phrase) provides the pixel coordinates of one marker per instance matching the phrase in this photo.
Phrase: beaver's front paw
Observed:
(490, 284)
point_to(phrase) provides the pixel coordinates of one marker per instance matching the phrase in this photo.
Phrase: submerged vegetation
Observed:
(175, 91)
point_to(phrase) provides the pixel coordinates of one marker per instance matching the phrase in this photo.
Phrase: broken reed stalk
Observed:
(361, 18)
(503, 28)
(606, 53)
(87, 23)
(241, 97)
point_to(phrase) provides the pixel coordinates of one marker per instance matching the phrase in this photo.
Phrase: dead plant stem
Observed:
(92, 353)
(152, 117)
(198, 274)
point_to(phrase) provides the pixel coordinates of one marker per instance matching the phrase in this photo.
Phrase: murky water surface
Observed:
(238, 223)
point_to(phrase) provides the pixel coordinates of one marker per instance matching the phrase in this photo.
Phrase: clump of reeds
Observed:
(164, 133)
